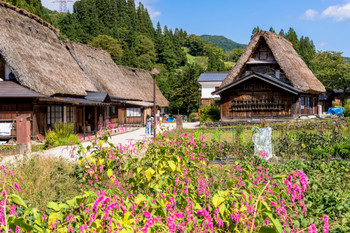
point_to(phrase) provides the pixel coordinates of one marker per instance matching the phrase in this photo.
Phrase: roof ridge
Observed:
(30, 15)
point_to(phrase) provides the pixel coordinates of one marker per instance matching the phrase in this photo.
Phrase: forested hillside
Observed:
(223, 42)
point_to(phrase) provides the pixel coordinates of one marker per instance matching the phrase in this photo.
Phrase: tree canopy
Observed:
(332, 70)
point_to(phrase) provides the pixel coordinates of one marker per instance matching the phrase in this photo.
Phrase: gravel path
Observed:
(123, 139)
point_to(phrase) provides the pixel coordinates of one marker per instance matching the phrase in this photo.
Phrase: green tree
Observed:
(109, 44)
(272, 30)
(293, 37)
(234, 54)
(145, 52)
(184, 90)
(195, 44)
(306, 49)
(332, 70)
(216, 62)
(255, 29)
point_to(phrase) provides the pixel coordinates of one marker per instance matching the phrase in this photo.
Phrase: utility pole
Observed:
(63, 5)
(154, 72)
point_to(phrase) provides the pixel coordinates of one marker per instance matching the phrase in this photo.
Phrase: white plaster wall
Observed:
(208, 88)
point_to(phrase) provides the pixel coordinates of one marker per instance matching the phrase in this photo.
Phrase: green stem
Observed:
(256, 206)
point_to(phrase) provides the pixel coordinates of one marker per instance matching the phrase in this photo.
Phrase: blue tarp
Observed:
(338, 111)
(171, 119)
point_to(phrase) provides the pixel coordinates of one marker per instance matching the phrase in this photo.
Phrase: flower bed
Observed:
(172, 189)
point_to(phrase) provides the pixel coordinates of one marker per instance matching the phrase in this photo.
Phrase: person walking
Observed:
(148, 125)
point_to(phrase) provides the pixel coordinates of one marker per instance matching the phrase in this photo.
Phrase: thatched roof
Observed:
(118, 81)
(290, 62)
(102, 71)
(36, 56)
(142, 83)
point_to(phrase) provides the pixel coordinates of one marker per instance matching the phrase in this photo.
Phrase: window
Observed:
(302, 104)
(70, 114)
(133, 112)
(308, 102)
(114, 111)
(263, 55)
(54, 114)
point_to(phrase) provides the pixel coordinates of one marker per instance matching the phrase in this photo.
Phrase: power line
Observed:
(63, 5)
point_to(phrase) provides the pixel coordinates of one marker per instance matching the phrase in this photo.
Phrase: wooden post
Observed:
(96, 120)
(154, 106)
(84, 121)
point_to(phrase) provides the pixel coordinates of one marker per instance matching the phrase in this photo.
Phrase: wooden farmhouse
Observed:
(270, 80)
(54, 81)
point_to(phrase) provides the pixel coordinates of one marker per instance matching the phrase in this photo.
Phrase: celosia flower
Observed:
(17, 187)
(326, 224)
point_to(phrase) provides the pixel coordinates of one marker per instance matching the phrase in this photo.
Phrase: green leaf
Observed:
(53, 205)
(229, 184)
(126, 217)
(72, 203)
(267, 230)
(149, 173)
(140, 198)
(18, 200)
(217, 200)
(172, 165)
(22, 224)
(275, 222)
(109, 172)
(126, 231)
(54, 216)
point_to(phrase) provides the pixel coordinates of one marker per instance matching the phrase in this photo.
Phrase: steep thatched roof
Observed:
(37, 58)
(102, 71)
(117, 81)
(290, 62)
(142, 83)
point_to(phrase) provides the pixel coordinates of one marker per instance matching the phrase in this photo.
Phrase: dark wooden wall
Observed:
(254, 99)
(11, 108)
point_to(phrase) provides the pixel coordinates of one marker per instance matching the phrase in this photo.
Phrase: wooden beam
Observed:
(84, 121)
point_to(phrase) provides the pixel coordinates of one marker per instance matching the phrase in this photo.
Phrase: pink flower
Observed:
(147, 214)
(326, 225)
(312, 228)
(17, 187)
(267, 221)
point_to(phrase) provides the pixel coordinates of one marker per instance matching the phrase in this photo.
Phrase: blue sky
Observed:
(326, 22)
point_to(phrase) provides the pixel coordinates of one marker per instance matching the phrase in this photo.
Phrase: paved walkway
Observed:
(123, 140)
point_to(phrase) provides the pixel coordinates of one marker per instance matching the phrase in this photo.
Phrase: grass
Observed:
(43, 179)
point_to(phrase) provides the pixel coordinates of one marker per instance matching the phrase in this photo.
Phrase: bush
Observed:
(347, 108)
(61, 135)
(192, 115)
(209, 113)
(64, 129)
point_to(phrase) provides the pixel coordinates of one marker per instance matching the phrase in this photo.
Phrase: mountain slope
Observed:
(223, 42)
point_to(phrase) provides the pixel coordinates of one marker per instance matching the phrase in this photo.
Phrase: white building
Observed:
(210, 81)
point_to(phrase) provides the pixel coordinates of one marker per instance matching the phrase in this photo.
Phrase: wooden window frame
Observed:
(132, 114)
(54, 114)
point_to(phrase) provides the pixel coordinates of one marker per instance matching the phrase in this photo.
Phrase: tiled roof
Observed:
(10, 89)
(212, 76)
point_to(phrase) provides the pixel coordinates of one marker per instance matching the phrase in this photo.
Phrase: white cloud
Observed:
(310, 15)
(339, 13)
(153, 13)
(322, 44)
